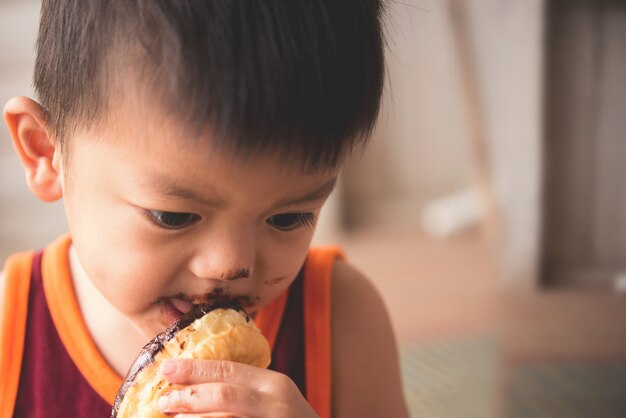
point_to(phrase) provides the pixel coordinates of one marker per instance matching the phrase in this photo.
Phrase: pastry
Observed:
(218, 331)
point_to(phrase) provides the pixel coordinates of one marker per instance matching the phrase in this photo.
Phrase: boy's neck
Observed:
(116, 339)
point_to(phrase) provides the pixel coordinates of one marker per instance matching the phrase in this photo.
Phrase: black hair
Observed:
(301, 76)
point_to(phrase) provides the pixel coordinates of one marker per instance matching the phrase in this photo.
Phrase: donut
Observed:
(217, 331)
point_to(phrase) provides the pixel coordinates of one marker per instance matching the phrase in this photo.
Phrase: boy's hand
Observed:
(212, 388)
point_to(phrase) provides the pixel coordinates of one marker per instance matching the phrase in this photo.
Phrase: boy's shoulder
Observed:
(363, 347)
(349, 282)
(355, 300)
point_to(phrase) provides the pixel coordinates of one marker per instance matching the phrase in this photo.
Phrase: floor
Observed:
(433, 289)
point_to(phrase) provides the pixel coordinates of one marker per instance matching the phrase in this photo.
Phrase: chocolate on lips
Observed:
(236, 339)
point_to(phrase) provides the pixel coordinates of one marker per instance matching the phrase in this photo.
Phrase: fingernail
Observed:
(164, 402)
(168, 367)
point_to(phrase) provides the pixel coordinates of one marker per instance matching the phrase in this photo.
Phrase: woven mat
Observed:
(568, 391)
(451, 379)
(458, 379)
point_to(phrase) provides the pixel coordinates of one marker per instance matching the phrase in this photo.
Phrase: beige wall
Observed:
(420, 150)
(508, 36)
(25, 222)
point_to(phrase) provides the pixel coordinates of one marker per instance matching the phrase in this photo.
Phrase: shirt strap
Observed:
(318, 270)
(17, 271)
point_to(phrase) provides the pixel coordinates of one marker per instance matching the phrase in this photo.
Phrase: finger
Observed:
(212, 415)
(195, 371)
(211, 398)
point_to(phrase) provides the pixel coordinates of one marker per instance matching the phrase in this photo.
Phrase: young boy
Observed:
(194, 144)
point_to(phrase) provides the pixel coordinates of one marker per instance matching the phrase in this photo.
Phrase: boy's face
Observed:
(160, 220)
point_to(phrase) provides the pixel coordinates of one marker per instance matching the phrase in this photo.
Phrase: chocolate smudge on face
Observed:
(235, 274)
(275, 281)
(244, 301)
(218, 295)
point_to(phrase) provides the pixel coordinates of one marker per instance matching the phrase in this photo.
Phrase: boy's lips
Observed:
(174, 308)
(180, 305)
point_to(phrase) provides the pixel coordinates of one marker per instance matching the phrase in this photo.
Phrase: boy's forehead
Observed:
(160, 167)
(137, 123)
(164, 144)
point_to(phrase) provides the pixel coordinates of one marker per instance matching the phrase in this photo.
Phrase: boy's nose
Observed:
(225, 258)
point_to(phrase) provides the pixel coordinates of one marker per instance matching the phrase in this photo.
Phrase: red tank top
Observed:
(56, 380)
(50, 383)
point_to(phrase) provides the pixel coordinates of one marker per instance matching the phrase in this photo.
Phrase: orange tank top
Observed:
(28, 275)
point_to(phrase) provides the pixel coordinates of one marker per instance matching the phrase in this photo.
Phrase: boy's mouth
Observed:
(174, 308)
(180, 305)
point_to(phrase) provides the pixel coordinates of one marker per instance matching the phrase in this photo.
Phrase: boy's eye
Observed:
(290, 221)
(171, 220)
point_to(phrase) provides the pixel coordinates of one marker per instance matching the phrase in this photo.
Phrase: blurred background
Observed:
(489, 210)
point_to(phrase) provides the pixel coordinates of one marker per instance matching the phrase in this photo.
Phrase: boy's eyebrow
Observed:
(316, 195)
(166, 187)
(172, 189)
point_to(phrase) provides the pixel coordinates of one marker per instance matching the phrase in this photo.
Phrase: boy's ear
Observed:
(36, 149)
